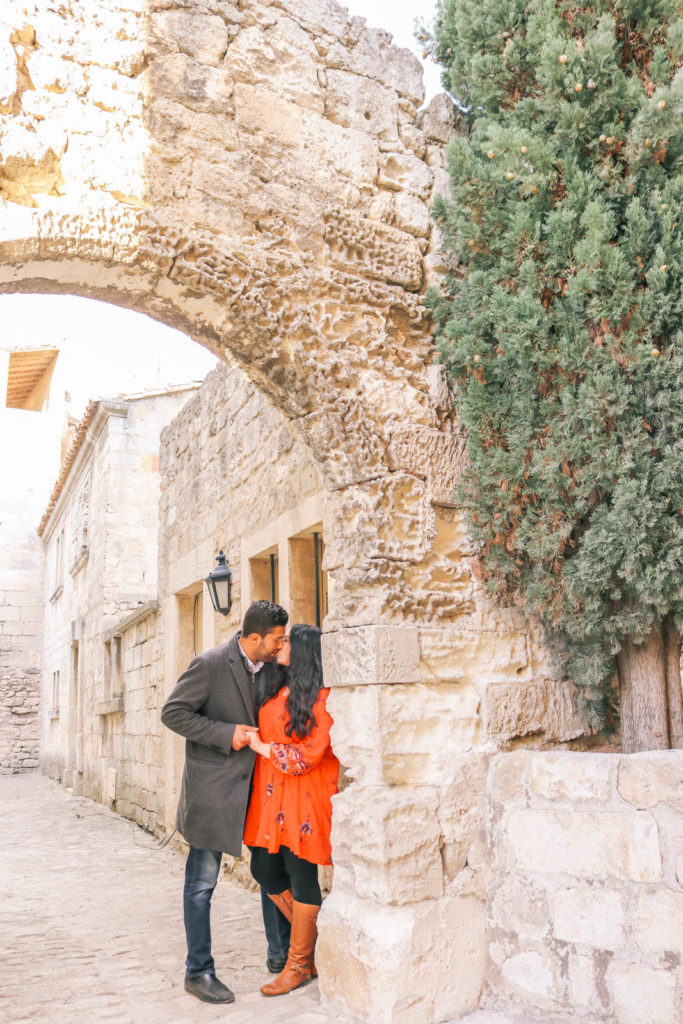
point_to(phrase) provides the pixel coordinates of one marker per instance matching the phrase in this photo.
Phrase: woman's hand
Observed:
(257, 744)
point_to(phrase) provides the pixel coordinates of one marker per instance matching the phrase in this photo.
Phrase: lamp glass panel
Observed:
(222, 592)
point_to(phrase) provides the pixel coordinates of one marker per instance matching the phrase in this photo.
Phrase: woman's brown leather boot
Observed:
(283, 901)
(298, 967)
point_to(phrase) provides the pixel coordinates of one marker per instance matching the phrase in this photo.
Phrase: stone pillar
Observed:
(397, 945)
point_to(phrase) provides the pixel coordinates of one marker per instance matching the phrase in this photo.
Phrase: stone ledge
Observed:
(371, 655)
(109, 707)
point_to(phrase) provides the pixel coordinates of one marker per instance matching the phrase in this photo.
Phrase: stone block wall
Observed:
(138, 757)
(19, 722)
(22, 469)
(585, 884)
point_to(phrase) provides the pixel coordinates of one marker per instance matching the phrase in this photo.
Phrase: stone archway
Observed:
(258, 175)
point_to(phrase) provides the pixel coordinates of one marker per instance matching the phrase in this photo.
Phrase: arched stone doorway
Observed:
(258, 176)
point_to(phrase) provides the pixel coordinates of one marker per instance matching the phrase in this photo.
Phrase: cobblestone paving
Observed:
(91, 925)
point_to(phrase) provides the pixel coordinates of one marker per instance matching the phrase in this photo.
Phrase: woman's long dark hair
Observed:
(305, 678)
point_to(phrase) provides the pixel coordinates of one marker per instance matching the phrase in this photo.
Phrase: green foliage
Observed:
(562, 329)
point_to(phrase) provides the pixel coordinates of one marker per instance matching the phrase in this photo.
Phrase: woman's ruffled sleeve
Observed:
(301, 756)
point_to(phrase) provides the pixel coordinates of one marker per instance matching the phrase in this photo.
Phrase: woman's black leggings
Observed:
(284, 870)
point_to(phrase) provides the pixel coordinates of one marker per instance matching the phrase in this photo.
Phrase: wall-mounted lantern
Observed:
(219, 582)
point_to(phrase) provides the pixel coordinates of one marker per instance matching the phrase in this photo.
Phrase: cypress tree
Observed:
(560, 324)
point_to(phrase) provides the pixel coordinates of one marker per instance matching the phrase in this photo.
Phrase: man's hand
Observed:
(240, 737)
(257, 744)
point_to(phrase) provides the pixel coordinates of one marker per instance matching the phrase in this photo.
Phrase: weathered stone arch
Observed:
(259, 176)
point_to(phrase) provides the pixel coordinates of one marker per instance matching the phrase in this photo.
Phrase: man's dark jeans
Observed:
(277, 928)
(201, 875)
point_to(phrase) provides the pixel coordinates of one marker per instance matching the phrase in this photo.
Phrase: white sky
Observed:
(106, 357)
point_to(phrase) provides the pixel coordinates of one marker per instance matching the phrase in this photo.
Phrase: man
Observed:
(212, 706)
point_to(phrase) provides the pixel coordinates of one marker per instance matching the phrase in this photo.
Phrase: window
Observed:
(57, 565)
(264, 568)
(79, 529)
(113, 686)
(307, 581)
(54, 709)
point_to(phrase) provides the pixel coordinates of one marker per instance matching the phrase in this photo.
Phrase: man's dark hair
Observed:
(263, 616)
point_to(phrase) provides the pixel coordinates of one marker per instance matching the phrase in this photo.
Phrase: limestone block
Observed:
(357, 102)
(440, 120)
(453, 654)
(355, 711)
(203, 37)
(373, 56)
(261, 112)
(425, 729)
(658, 926)
(353, 154)
(508, 778)
(403, 735)
(281, 56)
(362, 949)
(388, 839)
(358, 243)
(370, 655)
(461, 812)
(458, 934)
(641, 994)
(522, 708)
(437, 455)
(402, 210)
(438, 386)
(587, 989)
(442, 183)
(587, 844)
(411, 215)
(363, 530)
(573, 777)
(196, 86)
(318, 16)
(521, 908)
(651, 777)
(530, 975)
(589, 915)
(401, 171)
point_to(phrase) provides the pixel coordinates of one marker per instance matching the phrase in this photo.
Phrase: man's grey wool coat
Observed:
(215, 693)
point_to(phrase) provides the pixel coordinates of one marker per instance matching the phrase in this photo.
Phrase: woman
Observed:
(290, 811)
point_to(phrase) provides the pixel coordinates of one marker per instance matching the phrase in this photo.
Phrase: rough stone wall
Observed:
(585, 884)
(19, 707)
(228, 463)
(21, 586)
(136, 749)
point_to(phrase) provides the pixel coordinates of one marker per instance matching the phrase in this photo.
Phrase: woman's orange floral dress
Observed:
(291, 799)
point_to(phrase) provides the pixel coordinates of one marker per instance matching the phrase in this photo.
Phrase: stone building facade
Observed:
(100, 540)
(259, 175)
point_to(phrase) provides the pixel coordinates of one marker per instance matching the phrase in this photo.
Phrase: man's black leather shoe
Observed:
(209, 989)
(276, 965)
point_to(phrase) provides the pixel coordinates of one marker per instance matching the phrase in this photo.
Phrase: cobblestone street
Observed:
(91, 919)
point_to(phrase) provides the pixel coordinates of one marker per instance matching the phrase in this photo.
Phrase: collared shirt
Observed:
(252, 667)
